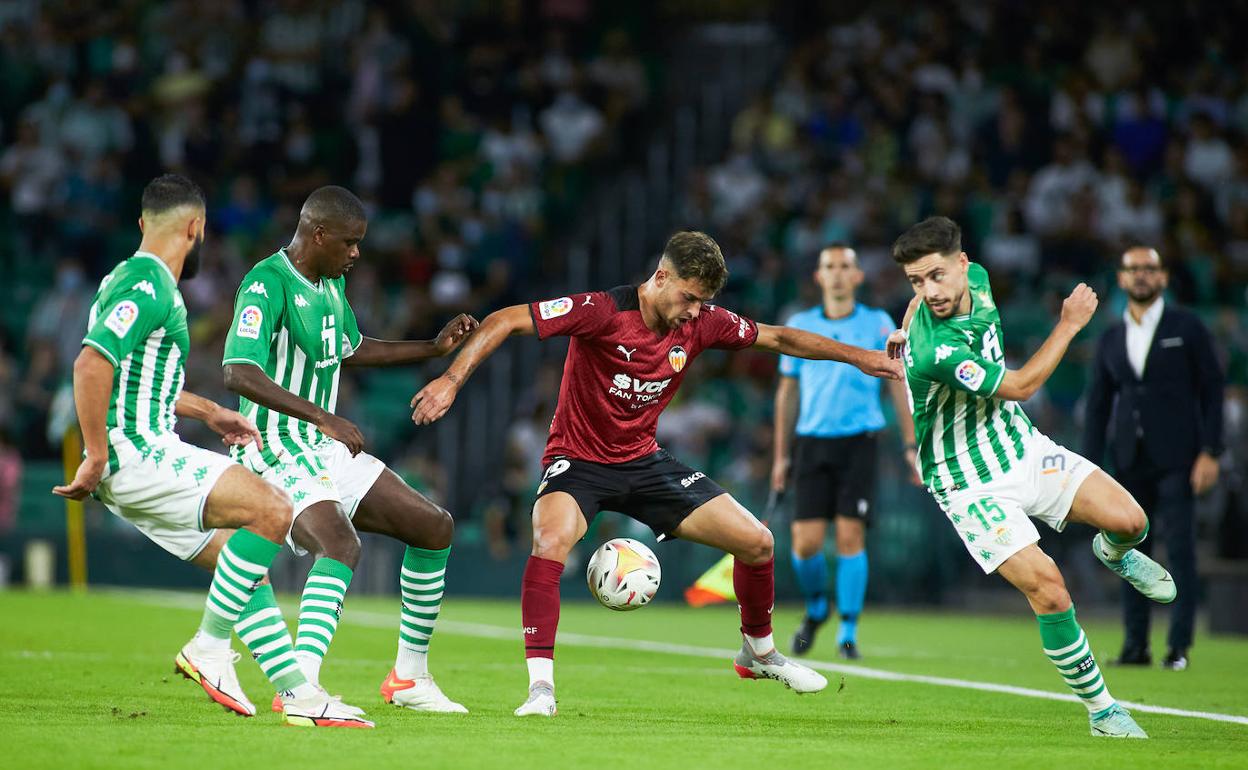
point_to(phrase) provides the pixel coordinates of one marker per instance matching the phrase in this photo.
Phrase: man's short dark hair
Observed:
(168, 192)
(334, 205)
(934, 235)
(696, 256)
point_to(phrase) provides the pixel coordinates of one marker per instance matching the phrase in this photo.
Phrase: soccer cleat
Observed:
(773, 665)
(1115, 722)
(1175, 660)
(804, 636)
(849, 651)
(1134, 655)
(541, 701)
(213, 670)
(419, 694)
(321, 710)
(278, 706)
(1147, 576)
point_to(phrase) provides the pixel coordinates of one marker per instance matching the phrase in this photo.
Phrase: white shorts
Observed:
(994, 519)
(327, 473)
(163, 493)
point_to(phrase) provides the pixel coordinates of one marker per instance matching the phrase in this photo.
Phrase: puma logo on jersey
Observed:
(300, 301)
(589, 300)
(628, 354)
(257, 288)
(943, 352)
(146, 287)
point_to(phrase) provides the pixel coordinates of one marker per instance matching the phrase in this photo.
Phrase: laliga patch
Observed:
(122, 318)
(677, 357)
(971, 375)
(554, 308)
(249, 322)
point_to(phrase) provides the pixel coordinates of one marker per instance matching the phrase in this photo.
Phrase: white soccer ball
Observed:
(623, 574)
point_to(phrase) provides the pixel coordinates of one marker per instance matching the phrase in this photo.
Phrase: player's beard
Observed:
(190, 266)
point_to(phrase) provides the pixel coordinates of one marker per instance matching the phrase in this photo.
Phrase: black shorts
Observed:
(658, 490)
(833, 476)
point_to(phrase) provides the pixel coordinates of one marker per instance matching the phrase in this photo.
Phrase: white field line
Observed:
(486, 631)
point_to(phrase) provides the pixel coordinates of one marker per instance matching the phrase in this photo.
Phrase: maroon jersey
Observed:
(619, 375)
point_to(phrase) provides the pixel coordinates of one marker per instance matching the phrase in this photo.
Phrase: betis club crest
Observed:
(677, 358)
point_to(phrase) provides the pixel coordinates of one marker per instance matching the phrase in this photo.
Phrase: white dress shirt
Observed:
(1140, 335)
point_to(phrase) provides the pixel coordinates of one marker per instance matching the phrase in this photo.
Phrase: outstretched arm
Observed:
(804, 344)
(373, 352)
(250, 382)
(433, 400)
(1022, 384)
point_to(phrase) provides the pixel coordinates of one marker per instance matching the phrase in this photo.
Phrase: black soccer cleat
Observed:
(1175, 660)
(848, 651)
(1134, 656)
(804, 636)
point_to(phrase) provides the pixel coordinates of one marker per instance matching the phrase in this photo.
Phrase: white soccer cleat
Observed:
(419, 694)
(279, 706)
(773, 665)
(321, 710)
(541, 702)
(213, 670)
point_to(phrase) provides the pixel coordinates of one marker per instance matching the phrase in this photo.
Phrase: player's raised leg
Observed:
(557, 525)
(393, 508)
(723, 523)
(851, 582)
(1031, 571)
(261, 516)
(1103, 503)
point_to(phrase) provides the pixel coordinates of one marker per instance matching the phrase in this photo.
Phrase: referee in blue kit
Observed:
(836, 412)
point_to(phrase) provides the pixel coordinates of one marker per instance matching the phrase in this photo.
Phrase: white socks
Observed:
(541, 670)
(760, 645)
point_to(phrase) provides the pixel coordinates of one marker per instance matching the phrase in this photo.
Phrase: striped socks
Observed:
(263, 630)
(241, 565)
(421, 581)
(319, 610)
(1067, 646)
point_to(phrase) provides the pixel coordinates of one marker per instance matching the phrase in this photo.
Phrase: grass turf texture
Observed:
(86, 681)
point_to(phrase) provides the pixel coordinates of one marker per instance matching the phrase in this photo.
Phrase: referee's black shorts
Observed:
(833, 476)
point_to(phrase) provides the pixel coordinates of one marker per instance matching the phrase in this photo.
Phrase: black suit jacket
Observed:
(1173, 412)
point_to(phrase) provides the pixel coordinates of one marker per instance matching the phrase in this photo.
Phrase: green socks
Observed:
(421, 581)
(319, 610)
(1067, 646)
(241, 565)
(1114, 547)
(263, 630)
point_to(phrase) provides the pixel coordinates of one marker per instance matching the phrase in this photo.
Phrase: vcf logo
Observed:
(1052, 464)
(677, 357)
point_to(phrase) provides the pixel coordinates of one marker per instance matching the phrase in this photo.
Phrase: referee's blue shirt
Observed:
(838, 399)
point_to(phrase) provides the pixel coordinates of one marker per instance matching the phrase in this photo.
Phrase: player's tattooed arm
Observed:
(804, 344)
(233, 428)
(373, 352)
(93, 387)
(433, 400)
(250, 382)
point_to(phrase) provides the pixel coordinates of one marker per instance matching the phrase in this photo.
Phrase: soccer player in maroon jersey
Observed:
(629, 351)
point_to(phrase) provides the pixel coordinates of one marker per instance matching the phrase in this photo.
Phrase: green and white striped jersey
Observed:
(954, 366)
(138, 322)
(299, 333)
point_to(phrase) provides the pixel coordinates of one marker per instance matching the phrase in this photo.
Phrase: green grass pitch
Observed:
(86, 681)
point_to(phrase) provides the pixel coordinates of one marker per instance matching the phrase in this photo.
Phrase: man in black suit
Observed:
(1156, 393)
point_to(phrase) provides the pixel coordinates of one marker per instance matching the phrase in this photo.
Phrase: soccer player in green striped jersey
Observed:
(992, 471)
(292, 332)
(128, 391)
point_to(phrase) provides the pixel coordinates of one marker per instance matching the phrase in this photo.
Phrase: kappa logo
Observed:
(943, 352)
(146, 287)
(554, 308)
(257, 287)
(122, 318)
(628, 354)
(300, 301)
(677, 358)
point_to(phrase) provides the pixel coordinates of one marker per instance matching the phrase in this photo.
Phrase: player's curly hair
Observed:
(696, 255)
(934, 235)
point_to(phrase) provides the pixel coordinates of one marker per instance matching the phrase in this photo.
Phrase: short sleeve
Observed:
(953, 363)
(126, 316)
(257, 313)
(572, 316)
(723, 329)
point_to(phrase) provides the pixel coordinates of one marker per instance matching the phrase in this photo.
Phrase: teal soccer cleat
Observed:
(1148, 577)
(1115, 722)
